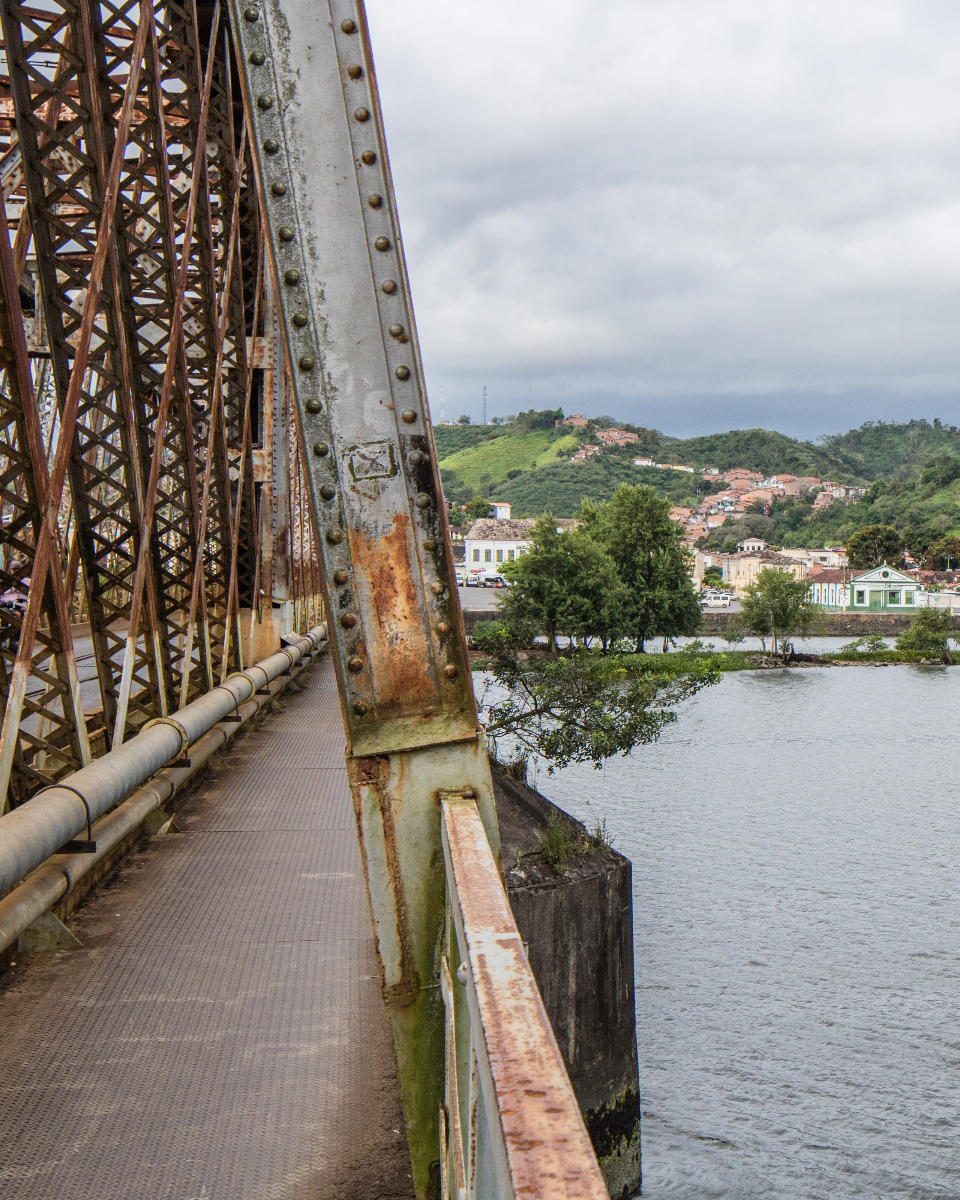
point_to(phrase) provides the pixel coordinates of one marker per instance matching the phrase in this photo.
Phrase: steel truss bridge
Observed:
(214, 431)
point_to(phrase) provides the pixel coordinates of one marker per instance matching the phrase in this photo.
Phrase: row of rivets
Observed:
(402, 372)
(306, 362)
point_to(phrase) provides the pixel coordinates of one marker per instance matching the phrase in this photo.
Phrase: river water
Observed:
(795, 840)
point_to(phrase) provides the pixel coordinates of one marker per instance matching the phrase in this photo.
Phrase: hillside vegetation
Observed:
(526, 463)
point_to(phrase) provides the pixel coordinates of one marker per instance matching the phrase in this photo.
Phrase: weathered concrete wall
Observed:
(852, 625)
(578, 928)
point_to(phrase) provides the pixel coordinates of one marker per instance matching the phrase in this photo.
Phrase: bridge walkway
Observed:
(220, 1035)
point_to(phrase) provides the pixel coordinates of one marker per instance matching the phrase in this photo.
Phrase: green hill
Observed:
(913, 469)
(766, 451)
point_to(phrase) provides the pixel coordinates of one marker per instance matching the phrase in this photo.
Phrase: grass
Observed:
(487, 464)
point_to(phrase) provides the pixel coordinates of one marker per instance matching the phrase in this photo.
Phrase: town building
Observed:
(492, 540)
(826, 556)
(614, 436)
(881, 589)
(577, 420)
(741, 569)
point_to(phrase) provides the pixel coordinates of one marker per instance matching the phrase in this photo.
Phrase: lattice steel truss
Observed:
(149, 464)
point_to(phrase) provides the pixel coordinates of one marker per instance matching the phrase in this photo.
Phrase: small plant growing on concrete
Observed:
(557, 843)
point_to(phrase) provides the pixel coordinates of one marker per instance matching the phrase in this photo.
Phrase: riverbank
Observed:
(678, 661)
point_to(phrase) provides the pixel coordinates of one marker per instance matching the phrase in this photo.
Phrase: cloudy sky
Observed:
(691, 214)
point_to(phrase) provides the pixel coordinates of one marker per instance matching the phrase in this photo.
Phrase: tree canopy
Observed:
(777, 605)
(929, 634)
(874, 545)
(581, 707)
(635, 529)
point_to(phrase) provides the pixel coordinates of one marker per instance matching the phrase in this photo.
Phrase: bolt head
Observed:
(355, 665)
(450, 671)
(292, 276)
(429, 544)
(443, 628)
(396, 329)
(415, 458)
(328, 491)
(271, 146)
(361, 114)
(402, 372)
(348, 620)
(321, 449)
(307, 362)
(355, 71)
(285, 233)
(251, 15)
(408, 416)
(361, 709)
(313, 405)
(423, 501)
(348, 26)
(375, 200)
(382, 243)
(340, 578)
(258, 58)
(368, 157)
(264, 102)
(300, 319)
(389, 286)
(278, 187)
(335, 537)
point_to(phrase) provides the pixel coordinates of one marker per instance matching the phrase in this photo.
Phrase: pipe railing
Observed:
(510, 1125)
(107, 799)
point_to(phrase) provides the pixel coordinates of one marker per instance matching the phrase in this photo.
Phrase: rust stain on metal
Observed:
(548, 1149)
(393, 621)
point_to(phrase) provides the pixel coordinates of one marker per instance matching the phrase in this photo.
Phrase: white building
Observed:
(492, 540)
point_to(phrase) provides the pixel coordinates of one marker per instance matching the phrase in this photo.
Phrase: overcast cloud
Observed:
(691, 214)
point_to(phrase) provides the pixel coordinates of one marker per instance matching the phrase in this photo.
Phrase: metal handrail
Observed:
(511, 1126)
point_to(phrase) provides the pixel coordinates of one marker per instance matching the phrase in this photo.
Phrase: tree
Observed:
(929, 634)
(713, 576)
(581, 707)
(943, 555)
(873, 545)
(564, 584)
(463, 419)
(635, 529)
(478, 507)
(777, 604)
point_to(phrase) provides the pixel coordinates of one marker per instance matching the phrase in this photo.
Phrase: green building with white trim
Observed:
(881, 589)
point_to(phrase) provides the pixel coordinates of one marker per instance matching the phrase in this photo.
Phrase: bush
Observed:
(928, 634)
(489, 637)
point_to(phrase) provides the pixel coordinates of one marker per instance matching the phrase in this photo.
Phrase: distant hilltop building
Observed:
(614, 436)
(578, 421)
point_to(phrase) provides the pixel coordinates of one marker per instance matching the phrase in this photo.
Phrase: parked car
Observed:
(716, 600)
(474, 578)
(493, 579)
(461, 575)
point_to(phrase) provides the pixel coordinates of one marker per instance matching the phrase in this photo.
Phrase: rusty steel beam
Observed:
(138, 240)
(86, 381)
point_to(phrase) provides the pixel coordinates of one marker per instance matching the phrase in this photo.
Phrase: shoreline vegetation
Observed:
(679, 661)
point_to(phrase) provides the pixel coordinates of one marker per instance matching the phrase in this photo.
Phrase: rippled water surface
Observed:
(796, 848)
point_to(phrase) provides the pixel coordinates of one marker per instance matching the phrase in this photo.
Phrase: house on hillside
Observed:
(577, 420)
(881, 589)
(614, 436)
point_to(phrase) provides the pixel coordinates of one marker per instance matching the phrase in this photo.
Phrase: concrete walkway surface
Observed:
(220, 1036)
